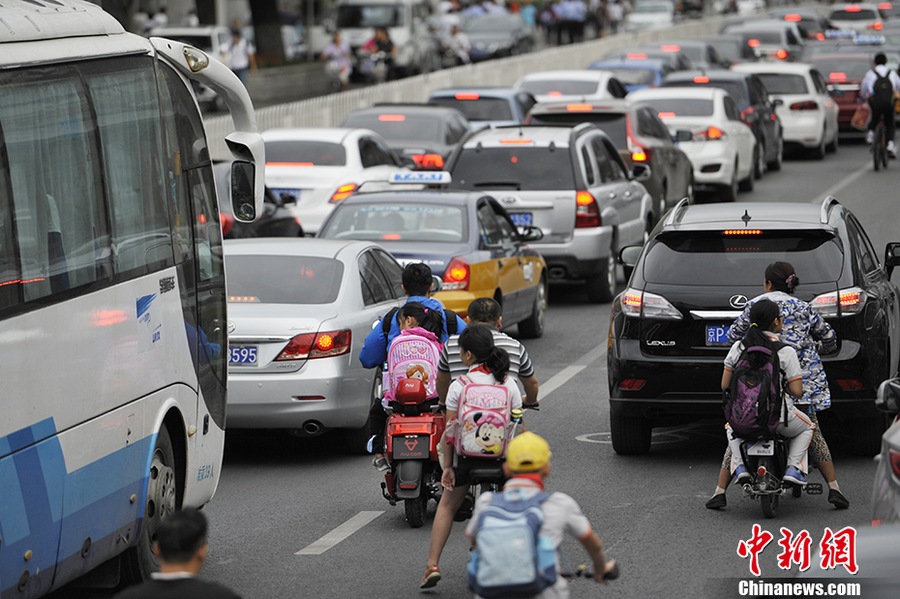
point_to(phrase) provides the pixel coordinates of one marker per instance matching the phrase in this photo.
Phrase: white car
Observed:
(864, 18)
(319, 167)
(650, 14)
(549, 86)
(707, 124)
(808, 113)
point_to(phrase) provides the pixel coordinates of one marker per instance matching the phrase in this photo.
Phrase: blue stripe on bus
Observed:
(143, 303)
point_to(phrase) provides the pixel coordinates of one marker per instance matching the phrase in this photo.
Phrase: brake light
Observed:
(820, 36)
(793, 18)
(741, 232)
(467, 96)
(670, 48)
(753, 43)
(587, 212)
(852, 8)
(227, 222)
(635, 302)
(636, 56)
(748, 115)
(701, 79)
(781, 54)
(850, 384)
(894, 457)
(808, 105)
(343, 192)
(308, 346)
(761, 471)
(710, 134)
(456, 276)
(391, 118)
(885, 6)
(837, 76)
(632, 384)
(850, 301)
(640, 155)
(666, 115)
(428, 162)
(297, 164)
(555, 93)
(515, 142)
(579, 107)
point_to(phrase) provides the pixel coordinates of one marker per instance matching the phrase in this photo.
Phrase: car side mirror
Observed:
(888, 397)
(641, 172)
(530, 233)
(243, 205)
(682, 135)
(777, 102)
(891, 257)
(629, 255)
(436, 283)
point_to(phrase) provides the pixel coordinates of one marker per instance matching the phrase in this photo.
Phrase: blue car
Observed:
(635, 74)
(490, 106)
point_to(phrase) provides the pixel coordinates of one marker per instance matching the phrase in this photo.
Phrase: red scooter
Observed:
(414, 430)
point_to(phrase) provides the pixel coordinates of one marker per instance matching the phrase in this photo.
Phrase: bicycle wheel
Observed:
(878, 149)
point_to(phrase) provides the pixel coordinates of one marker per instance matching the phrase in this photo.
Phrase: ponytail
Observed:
(762, 314)
(498, 363)
(428, 319)
(479, 339)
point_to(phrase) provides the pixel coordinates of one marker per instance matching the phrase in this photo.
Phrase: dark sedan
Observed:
(496, 36)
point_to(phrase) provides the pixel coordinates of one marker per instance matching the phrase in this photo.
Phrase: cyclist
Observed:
(879, 87)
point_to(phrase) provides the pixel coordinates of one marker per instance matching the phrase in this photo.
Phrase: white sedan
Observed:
(584, 85)
(809, 115)
(707, 124)
(319, 167)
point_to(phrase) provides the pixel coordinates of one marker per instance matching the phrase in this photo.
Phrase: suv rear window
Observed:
(284, 280)
(784, 84)
(514, 167)
(311, 153)
(482, 109)
(716, 259)
(613, 123)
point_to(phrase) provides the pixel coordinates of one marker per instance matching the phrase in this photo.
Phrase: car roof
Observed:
(287, 246)
(579, 75)
(844, 5)
(765, 215)
(767, 25)
(411, 109)
(200, 30)
(610, 105)
(327, 134)
(713, 74)
(806, 13)
(540, 135)
(414, 196)
(840, 56)
(774, 67)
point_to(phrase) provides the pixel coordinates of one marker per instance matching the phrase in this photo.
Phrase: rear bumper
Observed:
(712, 162)
(585, 255)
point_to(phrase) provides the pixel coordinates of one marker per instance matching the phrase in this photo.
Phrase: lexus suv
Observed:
(668, 329)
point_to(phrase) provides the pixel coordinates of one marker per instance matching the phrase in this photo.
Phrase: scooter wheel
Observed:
(796, 491)
(769, 503)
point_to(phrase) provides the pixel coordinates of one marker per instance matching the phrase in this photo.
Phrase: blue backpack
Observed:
(511, 558)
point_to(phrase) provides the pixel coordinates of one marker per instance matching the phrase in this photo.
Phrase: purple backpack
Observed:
(754, 402)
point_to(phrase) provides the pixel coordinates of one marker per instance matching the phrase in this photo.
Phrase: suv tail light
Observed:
(456, 277)
(635, 302)
(851, 301)
(808, 105)
(748, 115)
(308, 346)
(587, 212)
(343, 192)
(710, 134)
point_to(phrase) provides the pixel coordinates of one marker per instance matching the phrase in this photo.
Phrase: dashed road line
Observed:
(566, 374)
(339, 534)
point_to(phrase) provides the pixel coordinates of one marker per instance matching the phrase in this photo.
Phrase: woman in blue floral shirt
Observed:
(803, 330)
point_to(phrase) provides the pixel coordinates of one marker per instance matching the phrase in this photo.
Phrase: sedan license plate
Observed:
(242, 354)
(521, 219)
(762, 448)
(410, 448)
(285, 194)
(717, 334)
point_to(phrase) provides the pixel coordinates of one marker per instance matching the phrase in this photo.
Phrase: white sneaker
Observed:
(870, 136)
(891, 149)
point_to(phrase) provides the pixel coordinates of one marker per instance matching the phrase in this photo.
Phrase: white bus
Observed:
(113, 352)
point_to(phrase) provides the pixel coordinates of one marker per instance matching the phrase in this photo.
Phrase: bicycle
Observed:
(879, 146)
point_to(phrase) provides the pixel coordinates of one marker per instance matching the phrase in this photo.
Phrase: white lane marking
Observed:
(838, 187)
(339, 534)
(566, 374)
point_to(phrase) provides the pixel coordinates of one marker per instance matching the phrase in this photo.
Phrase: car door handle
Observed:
(627, 194)
(612, 195)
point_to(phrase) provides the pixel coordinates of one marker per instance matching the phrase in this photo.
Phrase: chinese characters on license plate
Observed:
(717, 334)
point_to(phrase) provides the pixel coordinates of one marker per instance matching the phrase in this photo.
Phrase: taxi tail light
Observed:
(456, 276)
(635, 302)
(343, 192)
(877, 26)
(748, 115)
(808, 105)
(781, 54)
(308, 346)
(844, 302)
(894, 458)
(587, 212)
(428, 162)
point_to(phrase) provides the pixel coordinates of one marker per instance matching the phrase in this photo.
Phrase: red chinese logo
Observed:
(754, 547)
(837, 549)
(794, 550)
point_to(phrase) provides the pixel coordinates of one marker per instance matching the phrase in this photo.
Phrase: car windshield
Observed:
(613, 123)
(514, 167)
(400, 126)
(714, 258)
(857, 14)
(729, 49)
(305, 153)
(368, 15)
(274, 279)
(755, 38)
(784, 84)
(633, 76)
(421, 223)
(561, 87)
(480, 108)
(672, 107)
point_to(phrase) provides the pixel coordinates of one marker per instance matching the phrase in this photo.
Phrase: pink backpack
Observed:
(414, 354)
(484, 420)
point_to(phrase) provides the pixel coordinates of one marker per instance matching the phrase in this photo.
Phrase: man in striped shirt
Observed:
(486, 311)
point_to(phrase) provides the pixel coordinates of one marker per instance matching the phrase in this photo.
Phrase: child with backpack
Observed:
(758, 371)
(479, 406)
(414, 353)
(879, 87)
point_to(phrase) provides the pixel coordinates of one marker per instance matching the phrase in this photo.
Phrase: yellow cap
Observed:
(527, 453)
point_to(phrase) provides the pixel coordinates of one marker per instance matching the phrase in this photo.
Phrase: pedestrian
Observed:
(338, 61)
(615, 12)
(527, 467)
(803, 328)
(182, 546)
(486, 311)
(239, 55)
(191, 19)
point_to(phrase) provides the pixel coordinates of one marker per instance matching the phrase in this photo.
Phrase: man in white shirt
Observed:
(880, 99)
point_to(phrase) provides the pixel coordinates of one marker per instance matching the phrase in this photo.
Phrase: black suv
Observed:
(757, 110)
(693, 278)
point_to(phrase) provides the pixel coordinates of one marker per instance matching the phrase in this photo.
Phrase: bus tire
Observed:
(163, 497)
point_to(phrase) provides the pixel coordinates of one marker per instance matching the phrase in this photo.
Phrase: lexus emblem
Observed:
(738, 301)
(231, 326)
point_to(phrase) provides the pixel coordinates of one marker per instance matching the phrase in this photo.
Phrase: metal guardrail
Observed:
(329, 111)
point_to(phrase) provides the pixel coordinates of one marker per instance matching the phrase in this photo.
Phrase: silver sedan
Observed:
(298, 313)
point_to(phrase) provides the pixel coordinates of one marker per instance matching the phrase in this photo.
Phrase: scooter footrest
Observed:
(384, 492)
(813, 488)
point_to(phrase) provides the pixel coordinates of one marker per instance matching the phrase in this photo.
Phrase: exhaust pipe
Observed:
(557, 272)
(310, 428)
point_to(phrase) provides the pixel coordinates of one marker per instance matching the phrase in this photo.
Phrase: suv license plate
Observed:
(243, 355)
(762, 448)
(410, 448)
(521, 219)
(717, 334)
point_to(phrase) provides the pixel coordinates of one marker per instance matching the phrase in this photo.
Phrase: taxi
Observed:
(466, 237)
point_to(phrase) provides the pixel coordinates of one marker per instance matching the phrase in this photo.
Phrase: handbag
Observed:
(861, 117)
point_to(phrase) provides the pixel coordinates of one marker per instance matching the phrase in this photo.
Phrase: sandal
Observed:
(431, 578)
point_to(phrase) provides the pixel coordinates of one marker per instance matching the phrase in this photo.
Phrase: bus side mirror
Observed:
(243, 205)
(891, 257)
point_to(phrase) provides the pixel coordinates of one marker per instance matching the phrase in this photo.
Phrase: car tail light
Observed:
(850, 384)
(632, 384)
(343, 192)
(808, 105)
(748, 115)
(428, 162)
(753, 43)
(709, 134)
(877, 26)
(837, 76)
(467, 96)
(640, 155)
(894, 457)
(852, 8)
(392, 118)
(670, 48)
(587, 212)
(820, 36)
(637, 303)
(701, 79)
(579, 107)
(666, 115)
(792, 18)
(456, 276)
(851, 301)
(781, 54)
(308, 346)
(636, 56)
(885, 6)
(742, 232)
